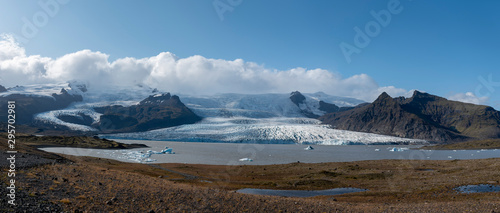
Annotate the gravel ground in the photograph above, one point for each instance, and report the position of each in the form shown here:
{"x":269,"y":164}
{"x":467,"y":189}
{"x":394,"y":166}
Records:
{"x":25,"y":202}
{"x":95,"y":189}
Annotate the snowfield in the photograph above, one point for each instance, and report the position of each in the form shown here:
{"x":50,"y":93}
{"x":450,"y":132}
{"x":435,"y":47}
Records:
{"x":260,"y":105}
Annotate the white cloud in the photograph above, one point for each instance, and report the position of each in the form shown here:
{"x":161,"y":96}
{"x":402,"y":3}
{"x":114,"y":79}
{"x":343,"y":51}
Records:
{"x":10,"y":49}
{"x":167,"y":72}
{"x":469,"y":97}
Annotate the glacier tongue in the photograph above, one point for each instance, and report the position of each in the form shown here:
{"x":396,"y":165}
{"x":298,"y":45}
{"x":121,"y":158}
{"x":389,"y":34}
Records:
{"x":265,"y":130}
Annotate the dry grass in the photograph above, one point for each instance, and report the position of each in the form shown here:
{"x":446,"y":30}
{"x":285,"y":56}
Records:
{"x":388,"y":180}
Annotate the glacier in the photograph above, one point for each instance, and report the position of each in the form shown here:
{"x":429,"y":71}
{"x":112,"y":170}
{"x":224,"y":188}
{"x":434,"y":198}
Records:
{"x":93,"y":97}
{"x":265,"y":130}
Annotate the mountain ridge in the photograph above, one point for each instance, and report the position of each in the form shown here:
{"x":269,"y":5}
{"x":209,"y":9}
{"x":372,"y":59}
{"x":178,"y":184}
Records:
{"x":154,"y":112}
{"x":422,"y":116}
{"x":28,"y":105}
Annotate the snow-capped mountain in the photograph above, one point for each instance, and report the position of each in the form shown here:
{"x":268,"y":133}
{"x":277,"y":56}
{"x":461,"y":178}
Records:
{"x":263,"y":105}
{"x":260,"y":118}
{"x":36,"y":99}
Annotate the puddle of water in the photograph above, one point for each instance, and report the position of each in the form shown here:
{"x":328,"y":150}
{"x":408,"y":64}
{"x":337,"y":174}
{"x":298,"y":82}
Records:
{"x":300,"y":193}
{"x":467,"y":189}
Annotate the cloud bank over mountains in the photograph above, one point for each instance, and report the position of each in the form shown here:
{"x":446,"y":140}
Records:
{"x":469,"y":97}
{"x":167,"y":72}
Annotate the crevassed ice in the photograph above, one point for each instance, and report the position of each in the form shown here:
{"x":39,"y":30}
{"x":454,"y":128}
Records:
{"x":272,"y":130}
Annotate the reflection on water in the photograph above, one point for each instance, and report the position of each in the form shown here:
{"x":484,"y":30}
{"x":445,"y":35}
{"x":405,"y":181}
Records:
{"x":300,"y":193}
{"x":467,"y":189}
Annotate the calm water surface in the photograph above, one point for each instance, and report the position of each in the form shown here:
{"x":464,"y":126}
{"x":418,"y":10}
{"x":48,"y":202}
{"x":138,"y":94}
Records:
{"x":264,"y":154}
{"x":467,"y":189}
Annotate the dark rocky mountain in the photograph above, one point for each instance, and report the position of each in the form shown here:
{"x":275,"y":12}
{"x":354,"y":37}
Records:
{"x":28,"y":105}
{"x":298,"y":99}
{"x":2,"y":89}
{"x":423,"y":116}
{"x":154,"y":112}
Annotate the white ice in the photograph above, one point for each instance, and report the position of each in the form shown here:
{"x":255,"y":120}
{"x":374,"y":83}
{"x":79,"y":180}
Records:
{"x":397,"y":149}
{"x":268,"y":130}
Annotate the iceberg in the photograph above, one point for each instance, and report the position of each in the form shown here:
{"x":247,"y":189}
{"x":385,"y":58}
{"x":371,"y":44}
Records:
{"x":396,"y":149}
{"x":246,"y":159}
{"x":139,"y":156}
{"x":167,"y":151}
{"x":163,"y":151}
{"x":309,"y":148}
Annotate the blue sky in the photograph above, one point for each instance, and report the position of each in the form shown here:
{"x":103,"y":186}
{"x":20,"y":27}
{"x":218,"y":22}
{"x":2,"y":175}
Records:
{"x":442,"y":47}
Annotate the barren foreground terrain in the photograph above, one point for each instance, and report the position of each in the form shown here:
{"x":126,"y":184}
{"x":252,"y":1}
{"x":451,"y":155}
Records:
{"x":73,"y":184}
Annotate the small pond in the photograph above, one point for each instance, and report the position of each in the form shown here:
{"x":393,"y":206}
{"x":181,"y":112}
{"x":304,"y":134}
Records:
{"x":300,"y":193}
{"x":467,"y":189}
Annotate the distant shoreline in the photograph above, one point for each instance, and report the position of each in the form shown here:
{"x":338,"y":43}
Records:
{"x":468,"y":145}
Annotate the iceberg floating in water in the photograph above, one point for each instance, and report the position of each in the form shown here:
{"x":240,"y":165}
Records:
{"x":246,"y":159}
{"x":139,"y":156}
{"x":163,"y":151}
{"x":167,"y":151}
{"x":309,"y":148}
{"x":396,"y":149}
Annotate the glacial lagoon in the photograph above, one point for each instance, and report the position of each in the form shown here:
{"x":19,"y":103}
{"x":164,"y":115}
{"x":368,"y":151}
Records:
{"x":265,"y":154}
